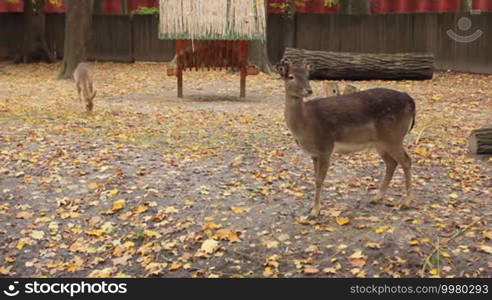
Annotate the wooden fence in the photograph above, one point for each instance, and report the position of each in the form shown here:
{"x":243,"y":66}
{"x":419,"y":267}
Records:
{"x":394,"y":33}
{"x":134,"y":38}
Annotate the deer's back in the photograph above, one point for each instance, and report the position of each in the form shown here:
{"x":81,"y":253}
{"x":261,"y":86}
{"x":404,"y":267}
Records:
{"x":364,"y":117}
{"x":82,"y":72}
{"x":361,"y":107}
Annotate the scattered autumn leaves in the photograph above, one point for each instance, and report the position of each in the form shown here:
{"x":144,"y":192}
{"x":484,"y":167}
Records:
{"x":212,"y":186}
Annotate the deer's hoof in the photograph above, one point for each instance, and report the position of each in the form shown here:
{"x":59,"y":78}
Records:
{"x":314,"y":213}
{"x":408,"y":203}
{"x":376,"y":199}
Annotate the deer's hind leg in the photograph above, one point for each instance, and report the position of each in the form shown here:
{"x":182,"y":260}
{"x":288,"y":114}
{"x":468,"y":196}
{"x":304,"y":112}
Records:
{"x":391,"y":164}
{"x":91,"y":88}
{"x":401,"y":156}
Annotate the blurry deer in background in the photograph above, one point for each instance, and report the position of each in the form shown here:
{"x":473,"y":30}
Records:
{"x":350,"y":89}
{"x":331,"y":89}
{"x":378,"y":118}
{"x":83,"y":80}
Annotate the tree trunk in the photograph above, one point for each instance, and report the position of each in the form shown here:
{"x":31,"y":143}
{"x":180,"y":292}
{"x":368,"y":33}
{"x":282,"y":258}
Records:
{"x":344,"y":7}
{"x":360,"y":7}
{"x":290,"y":25}
{"x":34,"y":46}
{"x":258,"y":56}
{"x":355,"y":7}
{"x":466,"y":5}
{"x":77,"y":33}
{"x":365,"y":66}
{"x":481,"y":141}
{"x":97,"y":7}
{"x":124,"y":7}
{"x":258,"y":51}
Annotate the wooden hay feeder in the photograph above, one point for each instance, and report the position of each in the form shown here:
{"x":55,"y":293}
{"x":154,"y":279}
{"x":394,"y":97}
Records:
{"x":212,"y":34}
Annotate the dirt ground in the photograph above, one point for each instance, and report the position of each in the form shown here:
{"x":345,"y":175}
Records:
{"x":214,"y":186}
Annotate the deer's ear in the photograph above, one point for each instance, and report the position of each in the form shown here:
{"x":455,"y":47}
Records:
{"x":282,"y":70}
{"x":308,"y":66}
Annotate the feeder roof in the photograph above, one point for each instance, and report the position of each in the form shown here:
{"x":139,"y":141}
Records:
{"x":212,"y":19}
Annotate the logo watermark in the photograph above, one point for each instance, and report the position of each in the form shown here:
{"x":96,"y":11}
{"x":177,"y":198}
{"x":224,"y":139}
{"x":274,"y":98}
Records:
{"x":11,"y":290}
{"x":70,"y":289}
{"x":465,"y":24}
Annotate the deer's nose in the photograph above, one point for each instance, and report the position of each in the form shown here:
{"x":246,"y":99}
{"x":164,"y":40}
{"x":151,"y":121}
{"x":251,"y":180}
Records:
{"x":308,"y":91}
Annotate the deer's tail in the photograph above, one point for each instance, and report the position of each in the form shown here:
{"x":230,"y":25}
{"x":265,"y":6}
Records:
{"x":414,"y":115}
{"x":413,"y":120}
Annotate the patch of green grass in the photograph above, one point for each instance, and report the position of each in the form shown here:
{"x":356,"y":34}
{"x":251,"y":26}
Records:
{"x":157,"y":141}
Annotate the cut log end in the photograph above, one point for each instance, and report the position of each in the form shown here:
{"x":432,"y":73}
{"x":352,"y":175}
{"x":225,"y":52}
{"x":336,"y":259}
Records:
{"x":480,"y":142}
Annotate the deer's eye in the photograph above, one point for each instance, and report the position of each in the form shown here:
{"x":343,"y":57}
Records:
{"x":291,"y":77}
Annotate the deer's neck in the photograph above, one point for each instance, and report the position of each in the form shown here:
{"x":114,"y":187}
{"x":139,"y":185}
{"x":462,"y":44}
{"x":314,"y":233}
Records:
{"x":294,"y":114}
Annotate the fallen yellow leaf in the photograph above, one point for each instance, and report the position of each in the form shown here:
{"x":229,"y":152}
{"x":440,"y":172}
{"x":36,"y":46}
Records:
{"x":171,"y":210}
{"x":5,"y":271}
{"x":93,"y":185}
{"x":342,"y":220}
{"x":310,"y":270}
{"x":118,"y":205}
{"x":485,"y":248}
{"x":24,"y":215}
{"x":209,"y":246}
{"x":240,"y":210}
{"x":227,"y":235}
{"x":382,"y":229}
{"x":373,"y":245}
{"x":37,"y":234}
{"x":175,"y":266}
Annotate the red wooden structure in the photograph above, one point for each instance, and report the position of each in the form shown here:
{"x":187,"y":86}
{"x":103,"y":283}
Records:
{"x":276,"y":6}
{"x":408,"y":6}
{"x":212,"y":54}
{"x":482,"y":4}
{"x":107,"y":6}
{"x":310,"y":6}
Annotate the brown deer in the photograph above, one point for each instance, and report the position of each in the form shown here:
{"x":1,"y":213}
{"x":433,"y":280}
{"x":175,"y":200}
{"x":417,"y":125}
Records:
{"x":331,"y":89}
{"x":350,"y":89}
{"x":83,"y":80}
{"x":378,"y":118}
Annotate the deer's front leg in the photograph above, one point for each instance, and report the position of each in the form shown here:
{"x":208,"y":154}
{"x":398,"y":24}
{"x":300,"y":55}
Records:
{"x":315,"y":165}
{"x":89,"y":105}
{"x":79,"y":91}
{"x":321,"y":169}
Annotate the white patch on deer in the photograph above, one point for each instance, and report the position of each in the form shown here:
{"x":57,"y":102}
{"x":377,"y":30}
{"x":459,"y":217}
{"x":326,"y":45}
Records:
{"x":351,"y":147}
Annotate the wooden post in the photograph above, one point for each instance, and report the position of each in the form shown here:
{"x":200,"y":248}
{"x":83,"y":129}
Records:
{"x":243,"y":62}
{"x":180,"y":49}
{"x":243,"y":83}
{"x":179,"y":76}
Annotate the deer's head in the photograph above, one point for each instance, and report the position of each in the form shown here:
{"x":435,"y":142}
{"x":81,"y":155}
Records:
{"x":296,"y":78}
